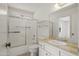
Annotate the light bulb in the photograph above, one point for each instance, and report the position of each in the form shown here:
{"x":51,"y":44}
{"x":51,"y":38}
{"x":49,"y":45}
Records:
{"x":57,"y":6}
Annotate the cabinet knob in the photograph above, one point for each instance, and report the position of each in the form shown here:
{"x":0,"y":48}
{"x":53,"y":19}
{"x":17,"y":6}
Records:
{"x":8,"y":45}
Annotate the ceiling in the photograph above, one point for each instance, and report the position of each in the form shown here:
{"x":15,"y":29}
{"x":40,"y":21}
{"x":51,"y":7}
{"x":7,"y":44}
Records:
{"x":33,"y":7}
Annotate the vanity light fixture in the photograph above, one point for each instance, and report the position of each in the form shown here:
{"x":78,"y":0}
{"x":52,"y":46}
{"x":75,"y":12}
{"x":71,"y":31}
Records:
{"x":57,"y":6}
{"x":3,"y":12}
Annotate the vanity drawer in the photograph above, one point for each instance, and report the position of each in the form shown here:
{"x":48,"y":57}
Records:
{"x":53,"y":50}
{"x":66,"y":53}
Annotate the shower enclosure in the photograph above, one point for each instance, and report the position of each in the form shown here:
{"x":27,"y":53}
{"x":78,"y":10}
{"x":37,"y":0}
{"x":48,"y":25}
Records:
{"x":17,"y":31}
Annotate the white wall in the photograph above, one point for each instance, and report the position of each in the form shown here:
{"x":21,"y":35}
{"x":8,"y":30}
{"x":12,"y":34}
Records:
{"x":3,"y":28}
{"x":43,"y":29}
{"x":43,"y":13}
{"x":78,"y":28}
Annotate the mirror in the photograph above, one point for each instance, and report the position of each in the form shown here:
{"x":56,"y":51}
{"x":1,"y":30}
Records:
{"x":64,"y":27}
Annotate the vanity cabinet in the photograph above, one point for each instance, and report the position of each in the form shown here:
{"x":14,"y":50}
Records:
{"x":41,"y":52}
{"x":46,"y":49}
{"x":54,"y":51}
{"x":41,"y":49}
{"x":44,"y":52}
{"x":66,"y":53}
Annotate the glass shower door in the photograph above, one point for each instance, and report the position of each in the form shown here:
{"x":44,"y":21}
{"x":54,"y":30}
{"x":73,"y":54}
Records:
{"x":16,"y":34}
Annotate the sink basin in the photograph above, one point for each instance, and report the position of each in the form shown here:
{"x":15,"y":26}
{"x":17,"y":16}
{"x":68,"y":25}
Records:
{"x":56,"y":42}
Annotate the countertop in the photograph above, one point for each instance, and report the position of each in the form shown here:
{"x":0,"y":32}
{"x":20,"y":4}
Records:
{"x":70,"y":48}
